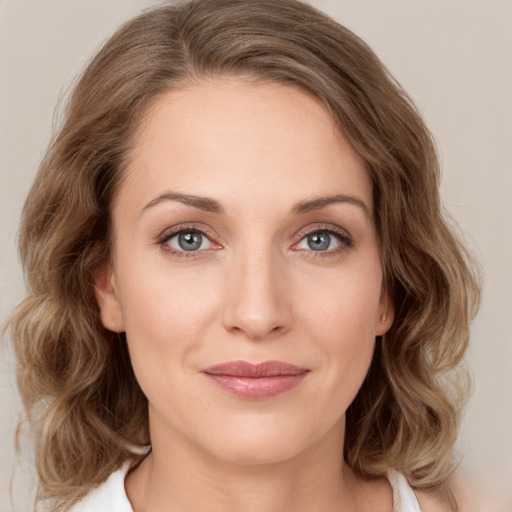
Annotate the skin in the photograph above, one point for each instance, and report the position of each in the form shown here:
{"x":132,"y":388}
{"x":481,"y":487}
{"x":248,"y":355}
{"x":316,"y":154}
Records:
{"x":255,"y":290}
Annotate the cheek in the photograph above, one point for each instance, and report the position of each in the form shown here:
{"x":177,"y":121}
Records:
{"x":344,"y":304}
{"x":156,"y":296}
{"x":165,"y":317}
{"x":340,"y":316}
{"x":165,"y":312}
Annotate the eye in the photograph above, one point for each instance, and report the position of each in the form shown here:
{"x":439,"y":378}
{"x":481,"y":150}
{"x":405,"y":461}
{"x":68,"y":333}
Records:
{"x":319,"y":241}
{"x":189,"y":240}
{"x":324,"y":240}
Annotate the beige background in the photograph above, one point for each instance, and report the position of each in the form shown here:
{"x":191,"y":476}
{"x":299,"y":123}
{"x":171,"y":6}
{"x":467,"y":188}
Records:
{"x":454,"y":58}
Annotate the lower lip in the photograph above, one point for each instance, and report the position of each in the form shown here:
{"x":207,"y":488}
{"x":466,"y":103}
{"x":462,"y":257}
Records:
{"x":257,"y":387}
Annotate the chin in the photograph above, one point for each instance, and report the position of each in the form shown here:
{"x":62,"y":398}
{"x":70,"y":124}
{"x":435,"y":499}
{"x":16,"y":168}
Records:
{"x":262,"y":441}
{"x":254,"y":454}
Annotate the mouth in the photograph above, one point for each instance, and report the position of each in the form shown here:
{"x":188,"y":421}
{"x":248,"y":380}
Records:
{"x":257,"y":381}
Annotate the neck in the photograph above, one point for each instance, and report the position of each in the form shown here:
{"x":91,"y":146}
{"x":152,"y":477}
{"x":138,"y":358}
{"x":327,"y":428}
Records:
{"x":183,"y":478}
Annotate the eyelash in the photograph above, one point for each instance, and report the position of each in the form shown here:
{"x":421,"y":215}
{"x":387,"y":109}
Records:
{"x":346,"y":241}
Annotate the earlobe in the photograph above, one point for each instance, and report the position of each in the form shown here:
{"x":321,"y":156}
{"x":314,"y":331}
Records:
{"x":107,"y":298}
{"x":386,"y":315}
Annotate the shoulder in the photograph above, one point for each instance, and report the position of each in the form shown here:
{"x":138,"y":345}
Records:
{"x":110,"y":495}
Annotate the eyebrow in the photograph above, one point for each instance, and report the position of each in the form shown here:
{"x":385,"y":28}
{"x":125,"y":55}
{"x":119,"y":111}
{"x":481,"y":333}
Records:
{"x":210,"y":205}
{"x":317,"y":204}
{"x":203,"y":203}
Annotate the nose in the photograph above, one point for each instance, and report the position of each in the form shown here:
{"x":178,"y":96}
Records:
{"x":257,"y":301}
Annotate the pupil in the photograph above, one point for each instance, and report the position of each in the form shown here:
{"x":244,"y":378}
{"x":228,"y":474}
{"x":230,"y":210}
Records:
{"x":319,"y":241}
{"x":189,"y":241}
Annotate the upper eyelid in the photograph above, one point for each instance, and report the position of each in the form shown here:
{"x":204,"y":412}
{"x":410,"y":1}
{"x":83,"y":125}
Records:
{"x":340,"y":238}
{"x":324,"y":227}
{"x":174,"y":230}
{"x":193,"y":226}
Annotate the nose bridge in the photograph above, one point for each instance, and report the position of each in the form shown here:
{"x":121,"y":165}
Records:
{"x":256,"y":302}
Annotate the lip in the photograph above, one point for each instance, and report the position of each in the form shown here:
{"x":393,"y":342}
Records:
{"x":263,"y":380}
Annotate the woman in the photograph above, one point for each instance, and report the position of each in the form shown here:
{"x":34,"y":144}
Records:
{"x":242,"y":292}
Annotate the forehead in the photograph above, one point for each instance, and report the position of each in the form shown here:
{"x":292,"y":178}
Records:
{"x":226,"y":137}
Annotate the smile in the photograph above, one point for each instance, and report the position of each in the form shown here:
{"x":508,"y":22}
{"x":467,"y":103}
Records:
{"x":264,"y":380}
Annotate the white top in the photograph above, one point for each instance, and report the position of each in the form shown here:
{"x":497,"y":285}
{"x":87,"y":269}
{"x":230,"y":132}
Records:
{"x":111,"y":495}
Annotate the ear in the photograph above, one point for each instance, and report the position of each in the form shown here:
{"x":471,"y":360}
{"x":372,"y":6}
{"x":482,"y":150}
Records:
{"x":107,"y":297}
{"x":385,"y":315}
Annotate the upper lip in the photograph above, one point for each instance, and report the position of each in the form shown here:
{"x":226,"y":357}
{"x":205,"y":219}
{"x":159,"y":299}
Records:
{"x":246,"y":369}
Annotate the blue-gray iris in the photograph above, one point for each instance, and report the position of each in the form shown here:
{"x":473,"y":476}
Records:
{"x":190,"y":241}
{"x":319,"y":241}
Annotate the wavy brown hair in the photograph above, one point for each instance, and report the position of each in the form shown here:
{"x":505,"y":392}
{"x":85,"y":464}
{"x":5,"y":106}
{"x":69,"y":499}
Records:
{"x":75,"y":377}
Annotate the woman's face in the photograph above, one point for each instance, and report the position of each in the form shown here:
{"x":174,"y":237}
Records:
{"x":244,"y":235}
